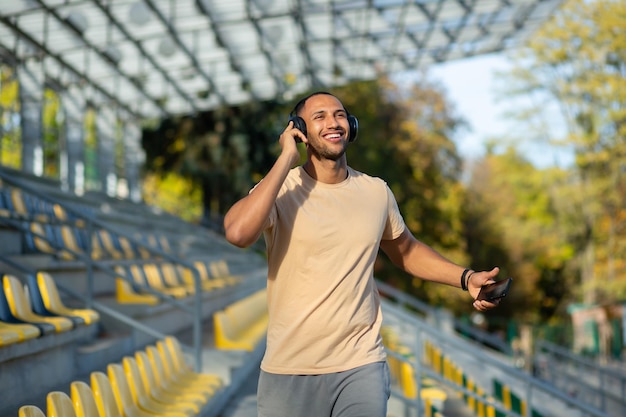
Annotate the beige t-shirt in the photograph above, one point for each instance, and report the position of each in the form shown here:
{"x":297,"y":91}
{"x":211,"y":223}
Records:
{"x":322,"y":241}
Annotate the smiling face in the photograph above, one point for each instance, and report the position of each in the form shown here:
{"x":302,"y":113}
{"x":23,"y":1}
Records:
{"x":327,"y":126}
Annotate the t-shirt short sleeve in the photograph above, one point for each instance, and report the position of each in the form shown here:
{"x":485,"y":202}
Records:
{"x":271,"y":219}
{"x":394,"y":225}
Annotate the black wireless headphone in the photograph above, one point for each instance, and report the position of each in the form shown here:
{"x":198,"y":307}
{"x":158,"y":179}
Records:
{"x":300,"y":124}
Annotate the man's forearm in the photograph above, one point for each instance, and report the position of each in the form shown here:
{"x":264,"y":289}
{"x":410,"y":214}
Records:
{"x":245,"y":220}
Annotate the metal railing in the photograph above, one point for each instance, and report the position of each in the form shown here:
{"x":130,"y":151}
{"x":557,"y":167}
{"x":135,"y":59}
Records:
{"x":463,"y":351}
{"x":603,"y":386}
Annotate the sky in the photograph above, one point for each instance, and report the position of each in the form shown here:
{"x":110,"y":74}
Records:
{"x":470,"y":85}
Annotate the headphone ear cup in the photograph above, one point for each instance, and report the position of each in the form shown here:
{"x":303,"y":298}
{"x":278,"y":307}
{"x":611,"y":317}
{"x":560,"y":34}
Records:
{"x":298,"y":123}
{"x":354,"y":128}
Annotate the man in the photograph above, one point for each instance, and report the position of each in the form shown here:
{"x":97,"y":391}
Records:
{"x":323,"y":224}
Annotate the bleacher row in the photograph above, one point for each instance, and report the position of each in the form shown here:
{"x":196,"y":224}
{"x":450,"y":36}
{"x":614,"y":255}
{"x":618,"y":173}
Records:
{"x":155,"y":381}
{"x":403,"y":375}
{"x":36,"y":309}
{"x":141,"y":266}
{"x":481,"y":403}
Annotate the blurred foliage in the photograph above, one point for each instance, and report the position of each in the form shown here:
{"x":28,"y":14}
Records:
{"x":223,"y":152}
{"x":578,"y":62}
{"x":10,"y":132}
{"x":513,"y":222}
{"x":174,"y":194}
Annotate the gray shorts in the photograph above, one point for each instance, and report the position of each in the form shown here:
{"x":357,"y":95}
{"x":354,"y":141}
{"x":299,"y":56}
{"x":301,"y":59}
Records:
{"x":358,"y":392}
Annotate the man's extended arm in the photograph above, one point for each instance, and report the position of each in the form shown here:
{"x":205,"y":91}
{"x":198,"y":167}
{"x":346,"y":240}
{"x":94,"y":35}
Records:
{"x":420,"y":260}
{"x":245,"y":220}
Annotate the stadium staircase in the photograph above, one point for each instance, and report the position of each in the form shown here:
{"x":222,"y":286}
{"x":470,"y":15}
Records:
{"x":110,"y":308}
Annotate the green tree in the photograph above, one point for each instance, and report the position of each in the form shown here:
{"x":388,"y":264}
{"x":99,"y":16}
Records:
{"x":578,"y":61}
{"x":513,"y":220}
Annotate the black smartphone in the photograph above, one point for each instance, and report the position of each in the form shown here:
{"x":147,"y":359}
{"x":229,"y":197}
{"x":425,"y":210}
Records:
{"x":491,"y":292}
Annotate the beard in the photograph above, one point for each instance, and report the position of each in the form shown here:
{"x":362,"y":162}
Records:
{"x":323,"y":151}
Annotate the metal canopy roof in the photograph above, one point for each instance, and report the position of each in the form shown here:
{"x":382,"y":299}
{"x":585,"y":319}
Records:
{"x":154,"y":58}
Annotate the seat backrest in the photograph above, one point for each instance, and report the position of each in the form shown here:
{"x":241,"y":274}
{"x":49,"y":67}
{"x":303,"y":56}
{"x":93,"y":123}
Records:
{"x":16,"y":297}
{"x":156,"y":362}
{"x":153,"y":275}
{"x":176,"y":354}
{"x":120,"y":387}
{"x":36,"y":299}
{"x":138,"y":389}
{"x":6,"y":314}
{"x":146,"y":370}
{"x":69,"y":239}
{"x":39,"y":243}
{"x":49,"y":292}
{"x":137,"y":275}
{"x":103,"y":395}
{"x":168,"y":364}
{"x":127,"y":247}
{"x":58,"y":404}
{"x":83,"y":399}
{"x":170,"y":275}
{"x":30,"y":411}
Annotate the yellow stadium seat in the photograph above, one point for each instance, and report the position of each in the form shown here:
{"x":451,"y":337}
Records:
{"x":156,"y":282}
{"x":126,"y":294}
{"x":30,"y":411}
{"x":8,"y":336}
{"x":83,"y":400}
{"x":24,"y":331}
{"x":200,"y":388}
{"x":103,"y":395}
{"x":171,"y":279}
{"x":142,"y":397}
{"x":206,"y":282}
{"x":242,"y":324}
{"x":158,"y":389}
{"x":20,"y":306}
{"x":52,"y":300}
{"x":120,"y":387}
{"x":177,"y":369}
{"x":219,"y":269}
{"x":58,"y":404}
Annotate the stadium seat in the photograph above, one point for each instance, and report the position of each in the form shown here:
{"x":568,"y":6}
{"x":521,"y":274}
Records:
{"x":45,"y":291}
{"x":8,"y":336}
{"x":30,"y":411}
{"x":35,"y":238}
{"x":175,"y":366}
{"x":156,"y":282}
{"x":122,"y":393}
{"x":127,"y":293}
{"x":6,"y":316}
{"x":158,"y":389}
{"x":127,"y":247}
{"x":21,"y":309}
{"x":58,"y":404}
{"x":242,"y":324}
{"x":104,"y":397}
{"x":143,"y":398}
{"x":23,"y":330}
{"x":171,"y":278}
{"x":208,"y":282}
{"x":199,"y":387}
{"x":108,"y":243}
{"x":219,"y":269}
{"x":83,"y":400}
